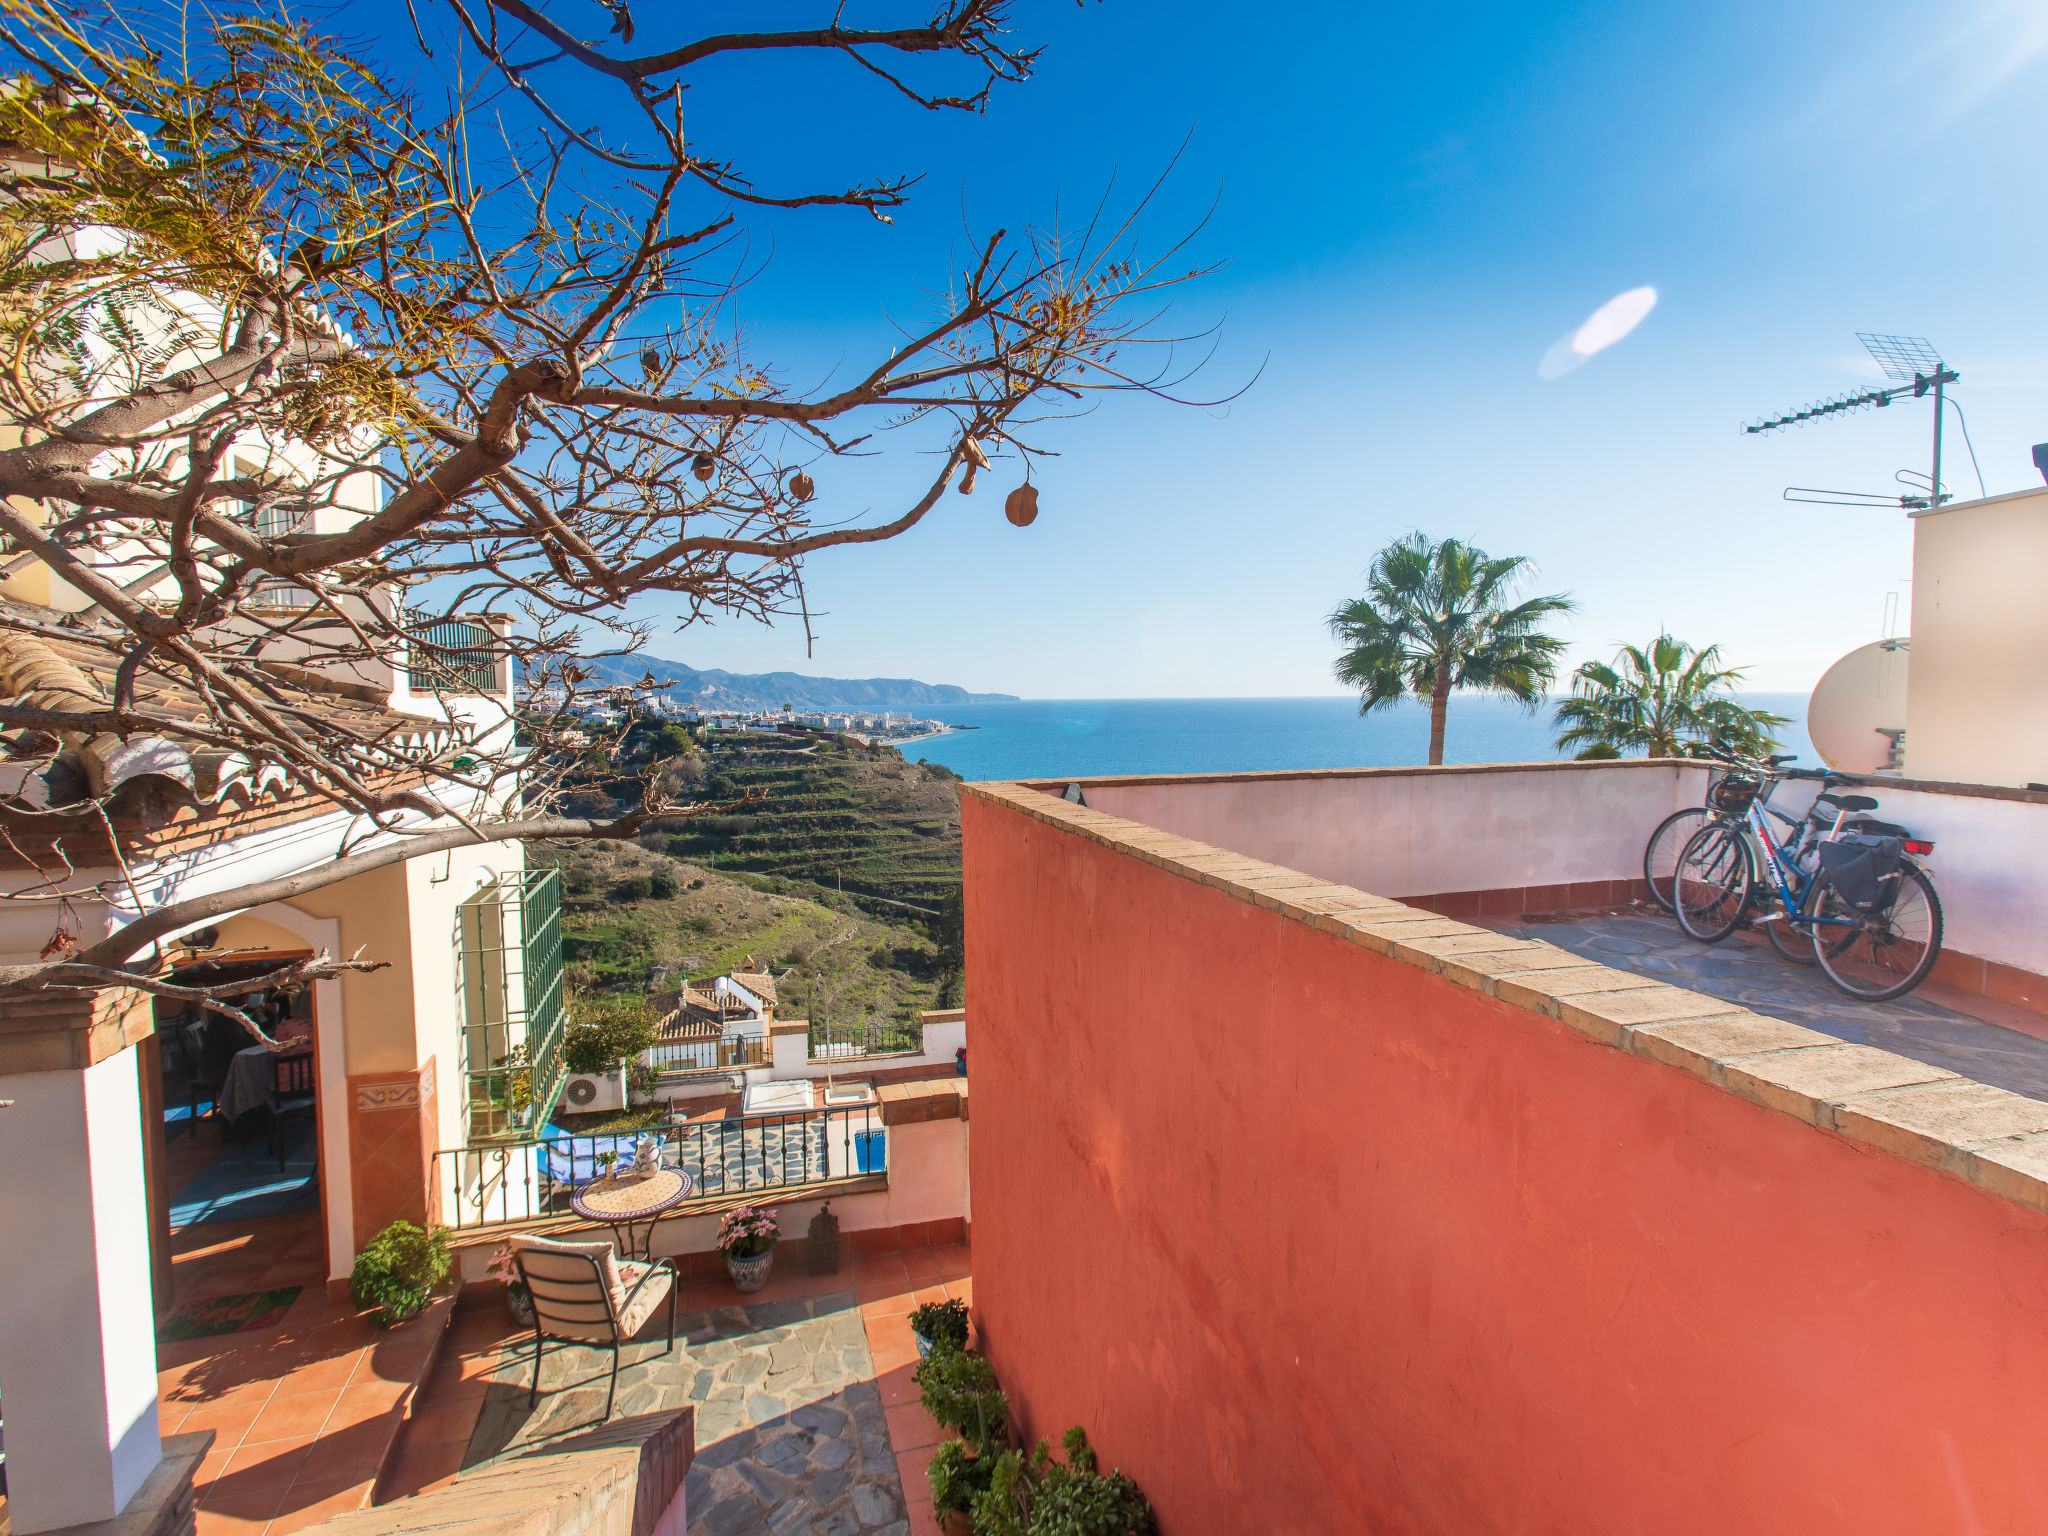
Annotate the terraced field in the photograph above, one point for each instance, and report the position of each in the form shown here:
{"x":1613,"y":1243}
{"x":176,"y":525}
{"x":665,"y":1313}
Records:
{"x":842,"y":817}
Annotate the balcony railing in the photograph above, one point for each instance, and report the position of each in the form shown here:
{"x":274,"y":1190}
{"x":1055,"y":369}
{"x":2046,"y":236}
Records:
{"x":711,"y":1055}
{"x":530,"y":1179}
{"x":889,"y":1038}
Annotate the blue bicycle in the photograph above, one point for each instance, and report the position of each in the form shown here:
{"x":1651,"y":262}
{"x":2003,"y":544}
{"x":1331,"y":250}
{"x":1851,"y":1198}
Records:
{"x":1849,"y":890}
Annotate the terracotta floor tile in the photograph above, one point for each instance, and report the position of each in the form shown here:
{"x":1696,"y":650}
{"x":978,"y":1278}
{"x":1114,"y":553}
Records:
{"x":910,"y":1467}
{"x":954,"y":1261}
{"x":420,"y":1467}
{"x":911,"y":1428}
{"x":922,"y":1521}
{"x":229,"y":1422}
{"x":353,"y":1453}
{"x":444,"y":1423}
{"x":261,"y":1466}
{"x":894,"y":1382}
{"x":249,"y":1511}
{"x":961,"y":1289}
{"x":308,"y":1503}
{"x":934,"y":1293}
{"x":291,"y":1418}
{"x":891,"y":1303}
{"x":329,"y":1375}
{"x":368,"y":1400}
{"x":211,"y":1465}
{"x":889,"y":1330}
{"x":920,"y":1265}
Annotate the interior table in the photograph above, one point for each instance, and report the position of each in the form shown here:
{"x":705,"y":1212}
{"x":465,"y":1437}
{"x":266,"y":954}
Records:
{"x":624,"y":1200}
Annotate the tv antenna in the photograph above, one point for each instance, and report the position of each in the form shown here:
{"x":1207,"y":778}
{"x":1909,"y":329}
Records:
{"x":1917,"y":369}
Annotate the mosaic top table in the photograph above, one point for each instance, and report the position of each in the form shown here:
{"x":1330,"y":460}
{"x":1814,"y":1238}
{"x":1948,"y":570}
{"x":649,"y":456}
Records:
{"x":625,"y":1199}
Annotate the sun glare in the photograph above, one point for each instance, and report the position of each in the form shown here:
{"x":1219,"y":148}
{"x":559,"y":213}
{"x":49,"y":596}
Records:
{"x":1603,"y":328}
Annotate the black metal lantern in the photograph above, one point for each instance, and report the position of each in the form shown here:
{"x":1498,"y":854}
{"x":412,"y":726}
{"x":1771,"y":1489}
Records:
{"x":825,"y":1241}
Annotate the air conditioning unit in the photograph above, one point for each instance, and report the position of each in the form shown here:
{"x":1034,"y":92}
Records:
{"x":589,"y":1092}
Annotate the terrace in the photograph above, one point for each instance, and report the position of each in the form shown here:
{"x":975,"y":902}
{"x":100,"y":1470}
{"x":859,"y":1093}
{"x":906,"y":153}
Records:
{"x":1346,"y":1155}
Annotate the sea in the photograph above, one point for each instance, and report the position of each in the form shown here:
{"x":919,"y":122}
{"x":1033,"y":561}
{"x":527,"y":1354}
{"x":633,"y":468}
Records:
{"x":1084,"y":738}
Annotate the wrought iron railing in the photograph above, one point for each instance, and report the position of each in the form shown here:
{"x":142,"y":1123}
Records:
{"x":848,"y":1043}
{"x":529,"y":1179}
{"x":710,"y":1055}
{"x":453,"y":656}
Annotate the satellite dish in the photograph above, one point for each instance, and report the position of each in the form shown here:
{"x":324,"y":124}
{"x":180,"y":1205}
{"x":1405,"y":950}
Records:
{"x":1858,"y":708}
{"x":581,"y":1090}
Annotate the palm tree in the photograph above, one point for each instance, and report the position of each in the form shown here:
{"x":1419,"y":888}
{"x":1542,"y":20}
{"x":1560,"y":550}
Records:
{"x":1437,"y":617}
{"x":1658,"y":699}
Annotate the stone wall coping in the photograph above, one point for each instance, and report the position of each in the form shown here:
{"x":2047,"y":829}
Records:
{"x":1269,"y":775}
{"x":613,"y":1480}
{"x":1987,"y":1136}
{"x":931,"y":1098}
{"x":1403,"y":771}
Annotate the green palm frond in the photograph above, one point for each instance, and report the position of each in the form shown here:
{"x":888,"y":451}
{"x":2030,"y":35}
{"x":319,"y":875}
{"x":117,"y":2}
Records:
{"x":1441,"y":614}
{"x":1659,"y":700}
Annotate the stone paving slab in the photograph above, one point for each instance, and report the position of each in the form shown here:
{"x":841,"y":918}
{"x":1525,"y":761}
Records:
{"x":1757,"y":978}
{"x":790,"y":1431}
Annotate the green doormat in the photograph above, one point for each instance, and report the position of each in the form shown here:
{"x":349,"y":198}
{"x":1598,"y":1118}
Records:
{"x":227,"y":1314}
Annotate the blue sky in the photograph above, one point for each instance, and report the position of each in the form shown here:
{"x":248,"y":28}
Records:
{"x":1413,"y":204}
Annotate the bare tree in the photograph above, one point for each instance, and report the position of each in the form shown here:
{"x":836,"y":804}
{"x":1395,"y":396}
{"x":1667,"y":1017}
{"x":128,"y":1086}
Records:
{"x":306,"y":364}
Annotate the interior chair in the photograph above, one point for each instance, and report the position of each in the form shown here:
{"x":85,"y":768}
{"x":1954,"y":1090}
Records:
{"x":185,"y":1075}
{"x":291,"y":1093}
{"x":583,"y":1294}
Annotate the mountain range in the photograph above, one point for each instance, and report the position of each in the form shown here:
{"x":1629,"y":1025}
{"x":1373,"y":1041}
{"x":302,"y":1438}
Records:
{"x":717,"y":689}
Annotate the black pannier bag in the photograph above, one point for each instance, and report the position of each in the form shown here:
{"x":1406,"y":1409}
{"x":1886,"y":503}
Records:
{"x":1864,"y":869}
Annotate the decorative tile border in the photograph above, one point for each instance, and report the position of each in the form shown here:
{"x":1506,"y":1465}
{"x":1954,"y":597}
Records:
{"x":400,"y":1093}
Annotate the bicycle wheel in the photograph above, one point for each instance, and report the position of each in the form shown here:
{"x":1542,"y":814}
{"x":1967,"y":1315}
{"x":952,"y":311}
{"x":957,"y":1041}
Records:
{"x":1710,"y":887}
{"x":1660,"y":854}
{"x":1885,"y":954}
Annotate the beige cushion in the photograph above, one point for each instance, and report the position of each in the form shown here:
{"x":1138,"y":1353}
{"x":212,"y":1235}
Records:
{"x":650,"y":1296}
{"x":568,"y":1294}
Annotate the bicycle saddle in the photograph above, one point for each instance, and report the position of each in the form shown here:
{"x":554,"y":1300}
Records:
{"x":1847,"y":802}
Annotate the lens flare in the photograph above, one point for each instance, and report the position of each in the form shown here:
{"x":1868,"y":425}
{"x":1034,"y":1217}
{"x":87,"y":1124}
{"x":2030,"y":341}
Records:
{"x":1603,"y":328}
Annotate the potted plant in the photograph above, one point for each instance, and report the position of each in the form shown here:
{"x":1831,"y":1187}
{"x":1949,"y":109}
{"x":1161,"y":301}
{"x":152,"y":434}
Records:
{"x":506,"y":1273}
{"x":939,"y":1325}
{"x":398,"y":1271}
{"x":604,"y":1161}
{"x":746,"y":1237}
{"x":960,"y":1060}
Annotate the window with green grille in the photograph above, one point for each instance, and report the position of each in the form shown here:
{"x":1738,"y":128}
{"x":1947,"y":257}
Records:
{"x":509,"y":949}
{"x":452,"y":656}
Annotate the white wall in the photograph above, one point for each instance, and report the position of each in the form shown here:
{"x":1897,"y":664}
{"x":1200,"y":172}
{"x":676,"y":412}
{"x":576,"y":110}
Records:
{"x":1978,"y":709}
{"x":1421,"y":831}
{"x":1990,"y":868}
{"x":77,"y":1328}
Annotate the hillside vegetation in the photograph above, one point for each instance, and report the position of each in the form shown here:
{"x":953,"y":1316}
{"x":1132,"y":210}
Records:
{"x":840,"y":816}
{"x":636,"y":920}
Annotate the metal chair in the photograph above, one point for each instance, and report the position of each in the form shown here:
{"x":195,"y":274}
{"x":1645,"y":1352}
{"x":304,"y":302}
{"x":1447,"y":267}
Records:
{"x":583,"y":1294}
{"x":291,"y":1093}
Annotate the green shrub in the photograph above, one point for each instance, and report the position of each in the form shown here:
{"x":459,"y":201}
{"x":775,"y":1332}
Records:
{"x":398,"y":1271}
{"x":959,"y":1391}
{"x":605,"y":1031}
{"x":662,"y":883}
{"x":943,"y":1323}
{"x":959,"y":1476}
{"x":634,"y":888}
{"x":1042,"y":1497}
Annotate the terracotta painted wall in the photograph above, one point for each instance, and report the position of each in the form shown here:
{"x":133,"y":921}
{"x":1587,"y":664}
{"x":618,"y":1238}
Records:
{"x":1313,"y":1241}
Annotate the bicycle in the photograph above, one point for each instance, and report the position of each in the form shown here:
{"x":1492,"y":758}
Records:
{"x":1875,"y":930}
{"x":1660,"y":853}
